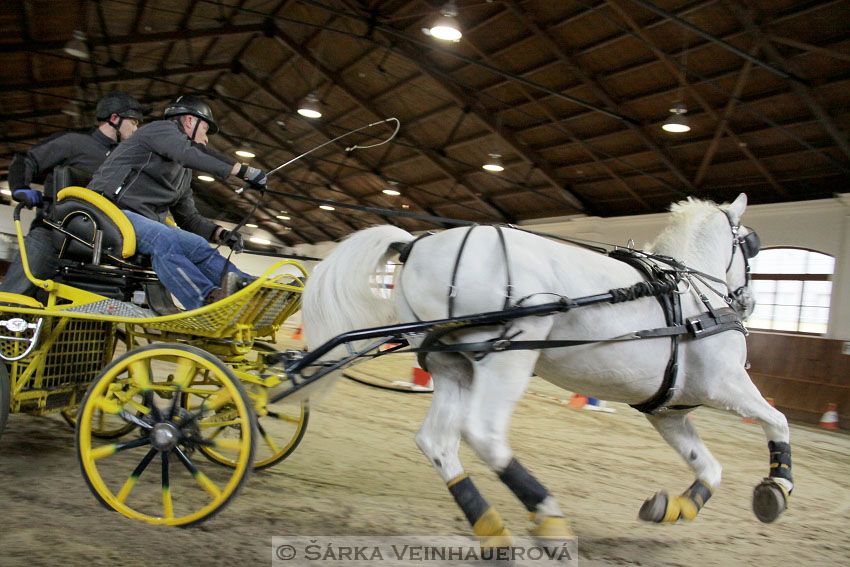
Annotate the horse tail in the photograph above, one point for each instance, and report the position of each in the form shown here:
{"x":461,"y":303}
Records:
{"x":339,"y":296}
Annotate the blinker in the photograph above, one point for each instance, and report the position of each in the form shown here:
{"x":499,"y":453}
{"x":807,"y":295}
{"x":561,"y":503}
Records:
{"x":750,"y":245}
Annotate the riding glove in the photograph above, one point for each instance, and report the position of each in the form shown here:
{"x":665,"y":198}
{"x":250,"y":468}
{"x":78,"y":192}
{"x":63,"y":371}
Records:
{"x":232,"y":239}
{"x":29,"y":197}
{"x":255,"y":177}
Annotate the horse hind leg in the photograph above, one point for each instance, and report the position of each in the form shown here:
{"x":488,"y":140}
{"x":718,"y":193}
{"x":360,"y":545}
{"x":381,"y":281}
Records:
{"x":681,"y":434}
{"x":500,"y":382}
{"x":439,"y":439}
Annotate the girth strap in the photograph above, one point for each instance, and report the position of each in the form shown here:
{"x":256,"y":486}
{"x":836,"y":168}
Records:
{"x":672,"y":308}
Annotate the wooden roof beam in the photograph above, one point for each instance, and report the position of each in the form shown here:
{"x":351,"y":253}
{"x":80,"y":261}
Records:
{"x":339,"y":83}
{"x":314,"y":126}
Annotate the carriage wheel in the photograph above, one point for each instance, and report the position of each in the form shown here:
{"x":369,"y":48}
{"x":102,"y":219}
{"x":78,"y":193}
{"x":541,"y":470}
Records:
{"x":281,"y":426}
{"x":145,"y":387}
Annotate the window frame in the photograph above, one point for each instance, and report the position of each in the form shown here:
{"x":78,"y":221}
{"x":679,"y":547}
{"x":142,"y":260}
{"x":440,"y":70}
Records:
{"x":799,"y":277}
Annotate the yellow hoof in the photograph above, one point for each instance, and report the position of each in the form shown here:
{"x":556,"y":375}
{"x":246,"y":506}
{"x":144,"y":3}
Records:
{"x":491,"y":531}
{"x":552,"y":527}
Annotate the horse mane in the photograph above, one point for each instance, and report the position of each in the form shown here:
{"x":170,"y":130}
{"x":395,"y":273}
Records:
{"x":686,"y":220}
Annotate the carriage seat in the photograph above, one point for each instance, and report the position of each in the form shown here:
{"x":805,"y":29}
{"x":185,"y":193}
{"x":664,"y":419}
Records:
{"x":98,"y":230}
{"x":97,"y":244}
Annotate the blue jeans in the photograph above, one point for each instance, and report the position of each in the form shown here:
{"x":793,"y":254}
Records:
{"x":185,"y":263}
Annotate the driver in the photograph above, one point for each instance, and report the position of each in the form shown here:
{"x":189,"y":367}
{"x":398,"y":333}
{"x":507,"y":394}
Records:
{"x":150,"y":175}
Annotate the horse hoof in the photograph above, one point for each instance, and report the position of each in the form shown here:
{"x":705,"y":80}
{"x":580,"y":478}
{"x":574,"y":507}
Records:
{"x":552,"y":528}
{"x":768,"y":501}
{"x":654,"y":509}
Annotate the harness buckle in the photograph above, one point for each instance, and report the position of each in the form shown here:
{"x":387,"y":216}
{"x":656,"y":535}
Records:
{"x":501,"y":344}
{"x":452,"y":291}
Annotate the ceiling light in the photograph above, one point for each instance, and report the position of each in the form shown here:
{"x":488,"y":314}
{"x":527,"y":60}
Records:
{"x":391,"y":190}
{"x":446,"y":26}
{"x":245,"y":153}
{"x":326,"y":207}
{"x":282,"y":217}
{"x":258,"y":240}
{"x":76,"y":47}
{"x":677,"y":122}
{"x":495,"y":162}
{"x":309,"y":108}
{"x":206,"y":178}
{"x":251,"y":225}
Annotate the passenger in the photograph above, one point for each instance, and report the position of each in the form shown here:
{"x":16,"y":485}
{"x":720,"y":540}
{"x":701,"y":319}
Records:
{"x":118,"y":114}
{"x":150,"y":175}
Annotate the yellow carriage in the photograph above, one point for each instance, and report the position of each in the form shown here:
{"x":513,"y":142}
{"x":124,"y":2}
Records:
{"x":184,"y":394}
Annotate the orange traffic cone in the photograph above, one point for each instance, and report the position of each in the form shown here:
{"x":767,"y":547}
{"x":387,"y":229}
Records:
{"x":578,"y":401}
{"x":297,"y":334}
{"x":421,"y":378}
{"x":768,"y":400}
{"x":829,"y":420}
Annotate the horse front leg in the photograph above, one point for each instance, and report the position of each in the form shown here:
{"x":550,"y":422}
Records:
{"x":439,"y":439}
{"x":680,"y":433}
{"x":770,"y":497}
{"x":500,"y":382}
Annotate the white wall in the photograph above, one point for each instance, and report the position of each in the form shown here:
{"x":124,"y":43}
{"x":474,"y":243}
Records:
{"x":822,"y":225}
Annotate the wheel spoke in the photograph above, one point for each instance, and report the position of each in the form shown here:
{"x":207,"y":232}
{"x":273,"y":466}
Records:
{"x":202,"y":479}
{"x":113,"y":448}
{"x":167,"y":505}
{"x":131,"y":481}
{"x":184,"y":373}
{"x":148,"y":397}
{"x":227,"y":444}
{"x":133,"y":419}
{"x":268,"y":439}
{"x":140,"y":371}
{"x":284,"y":417}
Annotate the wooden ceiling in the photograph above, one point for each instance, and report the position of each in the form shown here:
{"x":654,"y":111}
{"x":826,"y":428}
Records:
{"x":571,"y":93}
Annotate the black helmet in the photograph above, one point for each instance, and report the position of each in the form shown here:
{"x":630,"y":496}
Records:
{"x":194,"y":106}
{"x":118,"y":103}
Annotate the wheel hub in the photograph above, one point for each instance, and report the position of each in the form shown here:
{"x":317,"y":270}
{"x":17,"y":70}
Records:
{"x":164,"y":436}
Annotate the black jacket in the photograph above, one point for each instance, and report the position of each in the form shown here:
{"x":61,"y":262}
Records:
{"x":150,"y":174}
{"x":83,"y":151}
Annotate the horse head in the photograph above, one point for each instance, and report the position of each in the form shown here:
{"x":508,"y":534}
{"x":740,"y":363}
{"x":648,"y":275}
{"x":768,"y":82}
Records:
{"x":745,"y":245}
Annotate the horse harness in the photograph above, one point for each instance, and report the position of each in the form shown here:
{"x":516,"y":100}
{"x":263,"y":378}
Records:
{"x":659,"y":282}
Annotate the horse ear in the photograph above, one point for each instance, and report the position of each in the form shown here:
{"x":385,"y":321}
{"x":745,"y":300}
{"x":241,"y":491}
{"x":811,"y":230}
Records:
{"x":738,"y":206}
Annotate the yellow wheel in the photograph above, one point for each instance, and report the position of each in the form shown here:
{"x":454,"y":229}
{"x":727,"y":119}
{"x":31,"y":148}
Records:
{"x":146,"y":387}
{"x":281,"y":426}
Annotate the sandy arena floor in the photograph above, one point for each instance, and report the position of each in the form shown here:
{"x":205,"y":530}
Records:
{"x":358,"y":472}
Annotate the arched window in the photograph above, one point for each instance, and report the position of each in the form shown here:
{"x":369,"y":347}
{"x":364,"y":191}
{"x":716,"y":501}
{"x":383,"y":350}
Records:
{"x":792,"y":289}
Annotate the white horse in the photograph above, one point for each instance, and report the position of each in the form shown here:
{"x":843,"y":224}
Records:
{"x":474,"y":396}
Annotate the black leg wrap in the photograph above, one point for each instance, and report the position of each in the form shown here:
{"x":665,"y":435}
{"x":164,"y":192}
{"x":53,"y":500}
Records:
{"x":522,"y":483}
{"x":469,"y":499}
{"x":780,"y":460}
{"x":699,"y":493}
